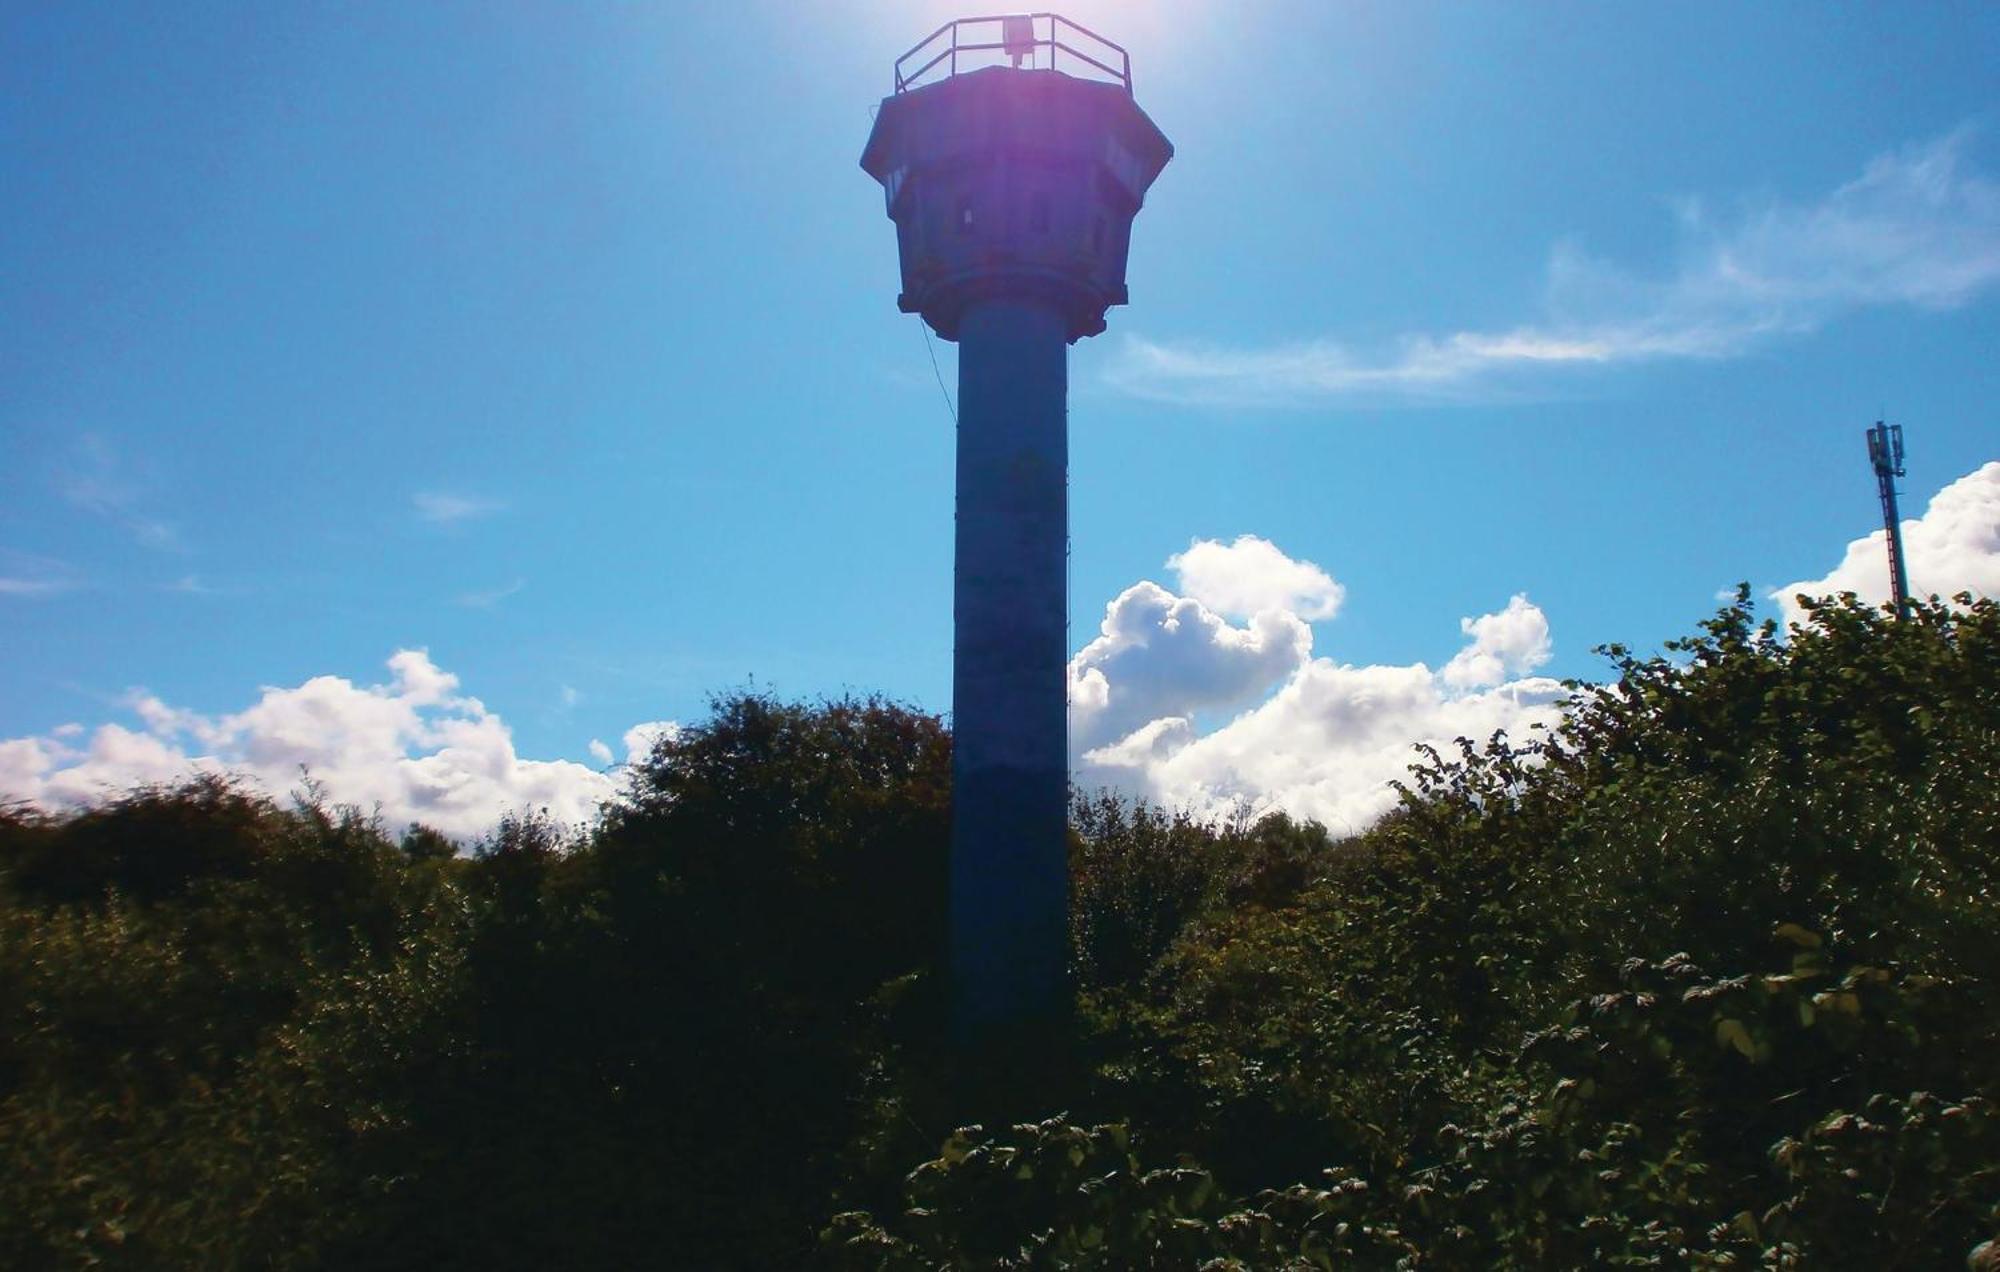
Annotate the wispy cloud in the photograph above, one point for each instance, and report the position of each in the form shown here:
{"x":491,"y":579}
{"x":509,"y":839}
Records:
{"x":26,"y":575}
{"x":446,"y":508}
{"x":193,"y":585}
{"x":99,"y":480}
{"x":488,"y":599}
{"x":1920,"y":227}
{"x":10,"y":586}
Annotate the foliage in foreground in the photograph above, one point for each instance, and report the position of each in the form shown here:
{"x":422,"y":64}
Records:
{"x":1710,"y":976}
{"x":1707,"y":977}
{"x":239,"y":1035}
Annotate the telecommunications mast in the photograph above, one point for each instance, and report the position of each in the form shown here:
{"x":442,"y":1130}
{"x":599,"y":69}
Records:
{"x":1885,"y":454}
{"x":1012,"y":158}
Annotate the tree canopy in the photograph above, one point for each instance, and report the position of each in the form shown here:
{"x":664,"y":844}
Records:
{"x":1706,"y":975}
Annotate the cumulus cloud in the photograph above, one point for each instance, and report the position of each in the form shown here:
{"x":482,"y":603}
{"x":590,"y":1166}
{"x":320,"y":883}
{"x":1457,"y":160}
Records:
{"x":415,"y":747}
{"x":1158,"y":655}
{"x":1312,"y":737}
{"x":1513,"y":641}
{"x":23,"y":763}
{"x":640,"y":739}
{"x":1250,"y":575}
{"x":1919,"y":227}
{"x":600,"y":752}
{"x":1326,"y":746}
{"x":1954,"y":547}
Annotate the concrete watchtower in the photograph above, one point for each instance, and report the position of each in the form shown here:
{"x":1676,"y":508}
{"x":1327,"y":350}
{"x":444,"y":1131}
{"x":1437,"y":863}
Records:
{"x":1013,"y":189}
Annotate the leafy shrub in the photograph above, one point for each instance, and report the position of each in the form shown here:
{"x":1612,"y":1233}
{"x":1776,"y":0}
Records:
{"x":197,"y":1073}
{"x":1704,"y":977}
{"x":1494,"y":1007}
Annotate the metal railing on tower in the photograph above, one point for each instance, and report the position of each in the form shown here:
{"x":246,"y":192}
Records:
{"x":1035,"y":41}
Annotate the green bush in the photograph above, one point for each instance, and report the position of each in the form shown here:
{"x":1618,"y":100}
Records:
{"x":1494,"y":1007}
{"x":1706,"y":976}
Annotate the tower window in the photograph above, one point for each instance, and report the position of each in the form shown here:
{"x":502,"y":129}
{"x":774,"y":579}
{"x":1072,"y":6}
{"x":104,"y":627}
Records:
{"x":965,"y":216}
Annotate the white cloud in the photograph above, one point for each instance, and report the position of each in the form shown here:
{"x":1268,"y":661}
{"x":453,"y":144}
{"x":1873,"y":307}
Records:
{"x":24,"y":574}
{"x":23,"y":764}
{"x":10,"y":586}
{"x":420,"y":680}
{"x":447,"y":508}
{"x":1508,"y":643}
{"x":1419,"y":368}
{"x":1146,"y":746}
{"x":600,"y":752}
{"x":191,"y":585}
{"x":492,"y":596}
{"x":1250,"y":575}
{"x":114,"y":758}
{"x":414,"y":747}
{"x":1326,"y":746}
{"x":1954,"y":547}
{"x":640,"y":739}
{"x":101,"y":481}
{"x":1315,"y":738}
{"x":1160,"y":655}
{"x":1920,"y":227}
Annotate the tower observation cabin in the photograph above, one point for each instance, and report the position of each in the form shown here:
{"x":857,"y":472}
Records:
{"x":1012,"y":158}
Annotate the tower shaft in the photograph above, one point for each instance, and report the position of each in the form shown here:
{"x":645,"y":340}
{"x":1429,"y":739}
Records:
{"x":1010,"y":780}
{"x":1013,"y":190}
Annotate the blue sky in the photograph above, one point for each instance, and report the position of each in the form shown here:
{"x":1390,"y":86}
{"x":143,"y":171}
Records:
{"x":560,"y":342}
